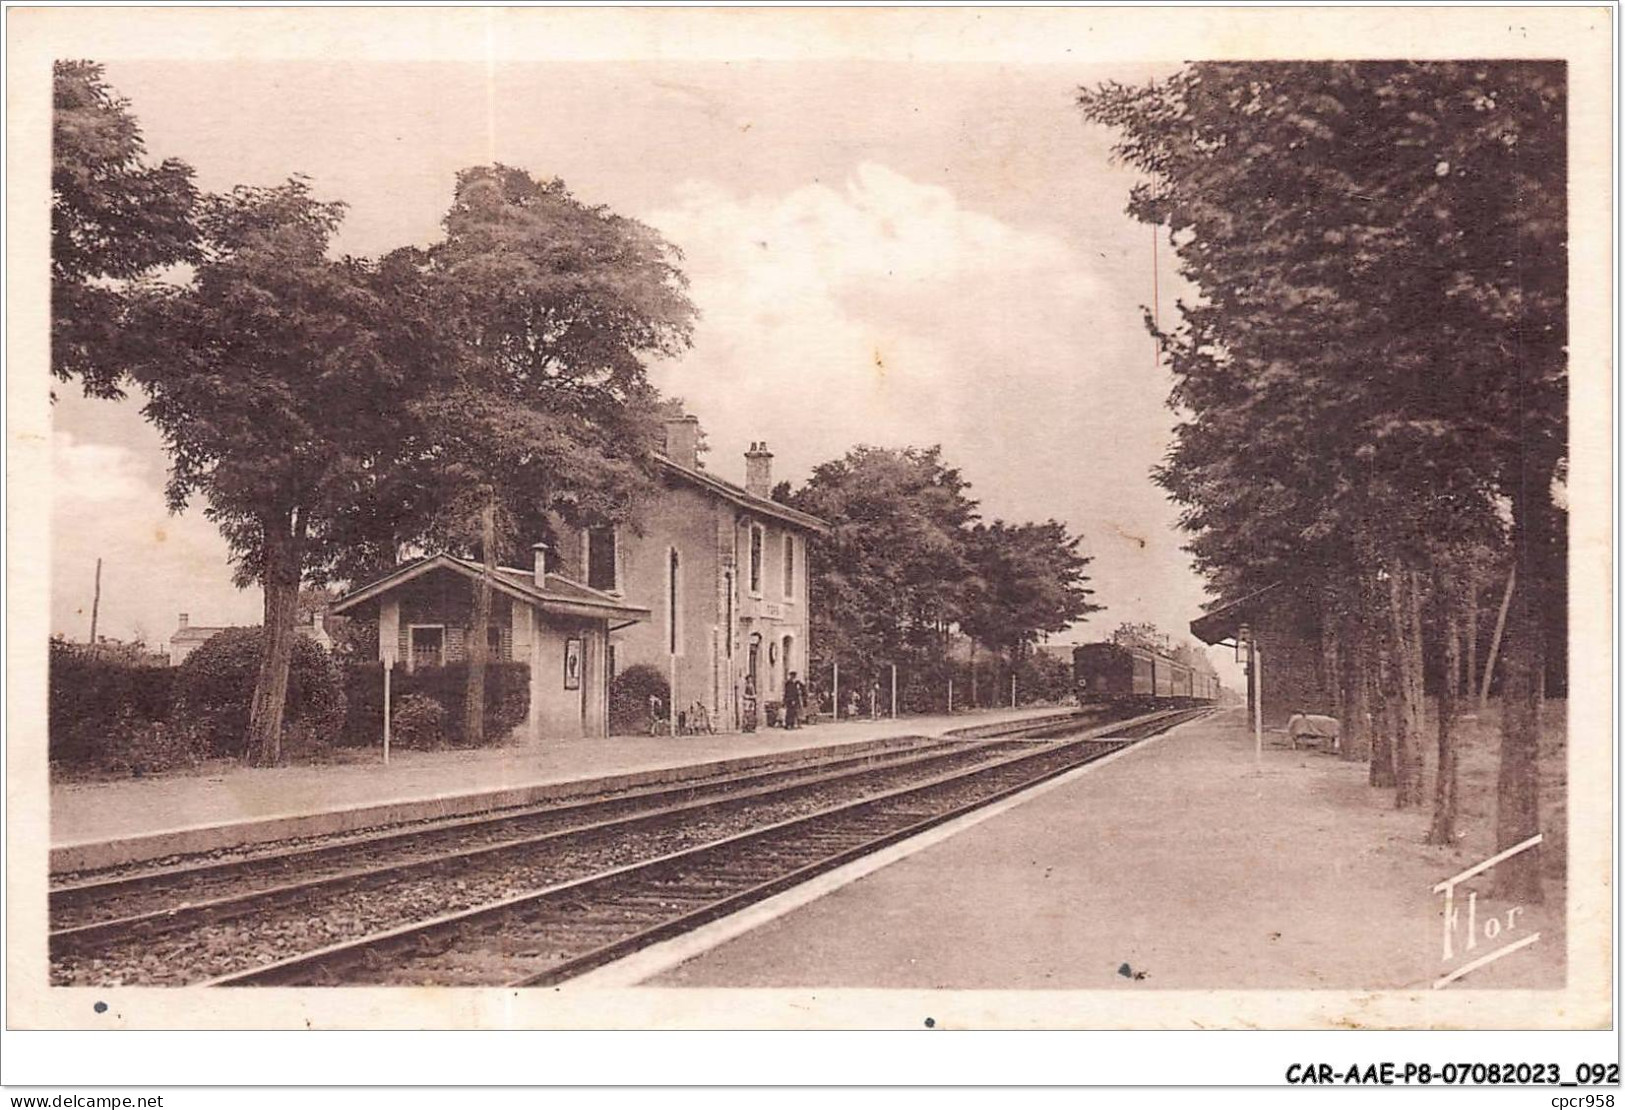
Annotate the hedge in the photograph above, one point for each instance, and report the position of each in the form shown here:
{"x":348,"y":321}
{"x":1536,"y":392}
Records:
{"x":507,"y":698}
{"x":629,"y":694}
{"x":215,"y":688}
{"x":95,"y":698}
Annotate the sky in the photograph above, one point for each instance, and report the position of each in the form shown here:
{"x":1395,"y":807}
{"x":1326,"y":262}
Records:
{"x":886,"y":254}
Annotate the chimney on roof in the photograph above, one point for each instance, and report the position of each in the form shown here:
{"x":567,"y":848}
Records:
{"x":759,"y":470}
{"x":540,"y":573}
{"x":184,"y":619}
{"x":683,"y":441}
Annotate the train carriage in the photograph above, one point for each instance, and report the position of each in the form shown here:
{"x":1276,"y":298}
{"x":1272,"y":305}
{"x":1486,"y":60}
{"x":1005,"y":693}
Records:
{"x":1112,"y":673}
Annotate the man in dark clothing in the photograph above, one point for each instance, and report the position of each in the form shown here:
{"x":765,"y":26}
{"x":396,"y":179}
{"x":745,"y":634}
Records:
{"x":794,"y":693}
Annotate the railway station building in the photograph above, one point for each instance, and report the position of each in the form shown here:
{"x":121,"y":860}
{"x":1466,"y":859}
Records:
{"x":723,"y":569}
{"x":709,"y":588}
{"x":1285,"y":622}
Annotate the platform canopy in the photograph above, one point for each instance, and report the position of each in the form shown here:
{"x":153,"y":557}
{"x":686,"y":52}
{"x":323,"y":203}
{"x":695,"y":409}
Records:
{"x":1224,"y":623}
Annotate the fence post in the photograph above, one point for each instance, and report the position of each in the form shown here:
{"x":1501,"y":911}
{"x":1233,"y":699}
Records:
{"x":835,"y":691}
{"x":950,"y":697}
{"x":894,"y":691}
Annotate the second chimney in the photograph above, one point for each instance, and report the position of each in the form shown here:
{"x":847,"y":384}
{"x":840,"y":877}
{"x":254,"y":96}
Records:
{"x":539,"y":550}
{"x":759,"y":470}
{"x":683,"y":441}
{"x":184,"y":619}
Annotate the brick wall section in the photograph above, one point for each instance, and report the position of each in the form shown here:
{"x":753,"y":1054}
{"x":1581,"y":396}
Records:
{"x":447,"y":599}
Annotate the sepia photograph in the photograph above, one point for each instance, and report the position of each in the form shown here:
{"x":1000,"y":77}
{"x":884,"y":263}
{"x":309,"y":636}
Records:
{"x":841,"y":519}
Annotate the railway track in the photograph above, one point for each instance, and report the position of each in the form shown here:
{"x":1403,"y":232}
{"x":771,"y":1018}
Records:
{"x":177,"y":924}
{"x":552,"y":934}
{"x":222,"y":918}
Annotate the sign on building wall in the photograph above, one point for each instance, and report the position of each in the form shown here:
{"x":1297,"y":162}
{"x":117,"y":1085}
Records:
{"x":572,"y":663}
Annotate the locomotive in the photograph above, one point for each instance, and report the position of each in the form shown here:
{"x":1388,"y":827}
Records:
{"x":1107,"y":673}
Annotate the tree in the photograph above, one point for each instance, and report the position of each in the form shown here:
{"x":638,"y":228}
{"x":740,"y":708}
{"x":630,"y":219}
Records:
{"x":275,"y":379}
{"x":548,"y":309}
{"x":113,"y":219}
{"x":1141,"y":635}
{"x":894,"y":571}
{"x":1378,"y":358}
{"x":1030,"y":581}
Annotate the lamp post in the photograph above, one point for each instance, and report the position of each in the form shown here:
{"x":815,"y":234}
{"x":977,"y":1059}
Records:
{"x":1255,"y":672}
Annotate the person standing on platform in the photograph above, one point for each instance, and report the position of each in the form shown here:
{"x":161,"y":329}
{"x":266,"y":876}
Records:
{"x":794,"y":694}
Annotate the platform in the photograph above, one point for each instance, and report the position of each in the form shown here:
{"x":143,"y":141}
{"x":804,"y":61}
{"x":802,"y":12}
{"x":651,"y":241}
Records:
{"x":1178,"y":865}
{"x":102,"y":824}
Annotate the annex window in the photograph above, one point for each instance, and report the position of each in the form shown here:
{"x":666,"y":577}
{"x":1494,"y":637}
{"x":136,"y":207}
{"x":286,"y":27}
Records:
{"x":428,"y":643}
{"x":601,"y":559}
{"x":789,"y":567}
{"x":757,"y":542}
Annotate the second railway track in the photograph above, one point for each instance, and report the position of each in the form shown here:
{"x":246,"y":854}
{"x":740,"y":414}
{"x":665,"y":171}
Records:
{"x":345,"y":903}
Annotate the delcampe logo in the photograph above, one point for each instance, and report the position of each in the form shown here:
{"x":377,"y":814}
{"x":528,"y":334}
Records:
{"x":1462,"y":938}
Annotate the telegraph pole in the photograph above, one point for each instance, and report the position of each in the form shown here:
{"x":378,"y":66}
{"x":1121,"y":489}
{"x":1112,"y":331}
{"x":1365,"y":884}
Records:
{"x":96,"y":603}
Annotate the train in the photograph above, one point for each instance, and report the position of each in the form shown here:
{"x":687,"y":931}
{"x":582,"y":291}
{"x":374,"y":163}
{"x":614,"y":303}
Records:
{"x":1107,"y":673}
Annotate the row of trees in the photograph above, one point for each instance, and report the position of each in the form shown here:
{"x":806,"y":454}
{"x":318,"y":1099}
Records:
{"x":909,"y":562}
{"x":331,"y":410}
{"x":1373,"y":373}
{"x":469,"y":396}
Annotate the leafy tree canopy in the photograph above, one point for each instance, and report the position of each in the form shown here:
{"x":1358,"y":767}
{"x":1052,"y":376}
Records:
{"x":1030,"y":581}
{"x":114,"y":218}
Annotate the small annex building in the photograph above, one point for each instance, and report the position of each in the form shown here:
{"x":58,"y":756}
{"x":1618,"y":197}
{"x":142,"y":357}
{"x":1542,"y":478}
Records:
{"x":559,"y":627}
{"x":1285,"y":622}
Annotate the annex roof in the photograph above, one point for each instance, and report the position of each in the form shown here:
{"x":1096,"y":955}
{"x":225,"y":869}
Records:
{"x":561,"y":595}
{"x":743,"y":497}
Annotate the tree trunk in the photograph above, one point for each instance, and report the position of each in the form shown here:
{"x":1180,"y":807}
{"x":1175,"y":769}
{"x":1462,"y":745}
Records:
{"x":1353,"y":679}
{"x":1331,"y":647}
{"x":1500,"y":632}
{"x":1405,"y":611}
{"x":1443,"y":830}
{"x":1517,"y":797}
{"x":474,"y":692}
{"x":1382,"y":690}
{"x":1469,"y":634}
{"x":974,"y":704}
{"x":280,"y":577}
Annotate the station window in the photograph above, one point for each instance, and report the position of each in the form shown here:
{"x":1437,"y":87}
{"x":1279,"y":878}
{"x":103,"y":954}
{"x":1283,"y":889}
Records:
{"x":601,"y":559}
{"x":757,"y":538}
{"x":789,"y":567}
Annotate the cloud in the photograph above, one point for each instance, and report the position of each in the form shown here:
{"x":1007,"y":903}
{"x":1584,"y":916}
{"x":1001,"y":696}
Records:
{"x":883,"y":310}
{"x":107,"y":504}
{"x":876,"y":307}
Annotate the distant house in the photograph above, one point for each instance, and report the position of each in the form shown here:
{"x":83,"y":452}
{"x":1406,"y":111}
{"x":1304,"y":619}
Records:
{"x":723,"y":569}
{"x":558,"y":626}
{"x":188,"y":636}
